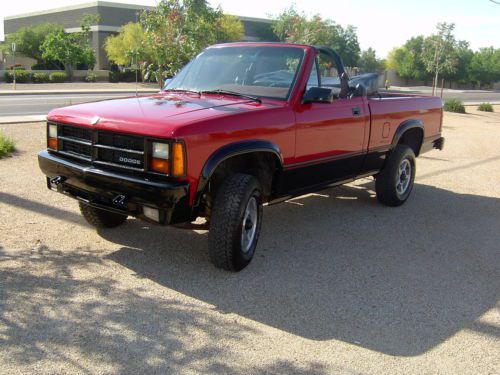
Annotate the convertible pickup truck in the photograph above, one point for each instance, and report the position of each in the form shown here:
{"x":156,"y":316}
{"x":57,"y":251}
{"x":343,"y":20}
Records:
{"x":241,"y":125}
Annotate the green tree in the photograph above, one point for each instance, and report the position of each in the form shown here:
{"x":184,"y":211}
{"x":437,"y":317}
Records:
{"x":463,"y":55}
{"x":438,"y":52}
{"x":63,"y":47}
{"x":229,"y":29}
{"x":71,"y":49}
{"x":485,"y":66}
{"x":294,"y":27}
{"x":368,"y":61}
{"x":402,"y":61}
{"x":176,"y":31}
{"x":30,"y":39}
{"x":415,"y":47}
{"x":130,"y":44}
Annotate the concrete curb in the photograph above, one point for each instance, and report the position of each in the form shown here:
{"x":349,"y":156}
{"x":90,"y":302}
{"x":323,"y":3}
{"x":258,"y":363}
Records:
{"x":22,"y":119}
{"x":475,"y":104}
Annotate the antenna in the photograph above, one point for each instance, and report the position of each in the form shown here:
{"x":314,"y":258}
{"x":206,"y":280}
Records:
{"x":136,"y":78}
{"x":136,"y":62}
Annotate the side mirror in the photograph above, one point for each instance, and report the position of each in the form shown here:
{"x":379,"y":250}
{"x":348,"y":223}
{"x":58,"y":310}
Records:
{"x":318,"y":95}
{"x":359,"y":91}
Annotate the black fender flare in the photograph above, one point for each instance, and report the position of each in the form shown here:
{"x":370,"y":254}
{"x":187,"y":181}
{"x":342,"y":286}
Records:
{"x":231,"y":150}
{"x":404,"y":127}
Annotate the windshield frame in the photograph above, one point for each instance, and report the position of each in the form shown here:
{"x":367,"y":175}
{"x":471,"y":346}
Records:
{"x":290,"y":89}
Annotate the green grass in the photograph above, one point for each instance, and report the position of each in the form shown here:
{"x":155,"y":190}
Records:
{"x":454,"y":105}
{"x":485,"y":107}
{"x":6,"y":145}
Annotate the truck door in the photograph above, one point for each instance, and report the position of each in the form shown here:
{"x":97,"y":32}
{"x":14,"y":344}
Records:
{"x":331,"y":137}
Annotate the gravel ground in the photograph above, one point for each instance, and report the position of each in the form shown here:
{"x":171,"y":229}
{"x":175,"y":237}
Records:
{"x":339,"y":284}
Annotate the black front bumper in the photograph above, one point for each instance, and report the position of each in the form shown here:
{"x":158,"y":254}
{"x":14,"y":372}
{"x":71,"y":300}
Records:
{"x":116,"y":192}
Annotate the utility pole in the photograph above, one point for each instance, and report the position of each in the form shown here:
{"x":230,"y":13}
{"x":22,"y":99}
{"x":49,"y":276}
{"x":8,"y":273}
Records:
{"x":14,"y":52}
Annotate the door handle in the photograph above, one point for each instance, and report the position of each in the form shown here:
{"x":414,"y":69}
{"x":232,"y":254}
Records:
{"x":356,"y":111}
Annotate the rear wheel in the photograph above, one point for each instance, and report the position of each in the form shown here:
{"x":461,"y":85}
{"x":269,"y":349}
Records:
{"x":101,"y":218}
{"x":235,"y":222}
{"x":395,"y":182}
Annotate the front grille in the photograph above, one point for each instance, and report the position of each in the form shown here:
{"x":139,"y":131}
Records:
{"x":78,"y":133}
{"x":120,"y":157}
{"x":102,"y":148}
{"x":77,"y":149}
{"x":121,"y":141}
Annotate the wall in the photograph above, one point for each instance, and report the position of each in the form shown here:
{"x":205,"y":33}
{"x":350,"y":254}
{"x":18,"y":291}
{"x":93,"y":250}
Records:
{"x":7,"y":60}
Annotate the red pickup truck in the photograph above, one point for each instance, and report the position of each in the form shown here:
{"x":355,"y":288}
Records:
{"x":241,"y":125}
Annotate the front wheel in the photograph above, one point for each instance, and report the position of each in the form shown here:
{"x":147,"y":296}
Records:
{"x":395,"y":182}
{"x":235,"y":222}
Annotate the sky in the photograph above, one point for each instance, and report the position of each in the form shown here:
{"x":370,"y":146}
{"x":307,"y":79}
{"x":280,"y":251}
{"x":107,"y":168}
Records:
{"x":381,"y":24}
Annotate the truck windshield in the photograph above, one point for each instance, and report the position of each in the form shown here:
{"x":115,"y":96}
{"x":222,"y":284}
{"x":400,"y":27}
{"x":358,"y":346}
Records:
{"x":259,"y":71}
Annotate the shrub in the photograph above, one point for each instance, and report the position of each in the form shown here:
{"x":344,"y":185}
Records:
{"x":45,"y":66}
{"x":114,"y":77}
{"x":58,"y":77}
{"x":485,"y":107}
{"x":454,"y":105}
{"x":91,"y":77}
{"x":40,"y":78}
{"x":129,"y":76}
{"x":22,"y":76}
{"x":6,"y":145}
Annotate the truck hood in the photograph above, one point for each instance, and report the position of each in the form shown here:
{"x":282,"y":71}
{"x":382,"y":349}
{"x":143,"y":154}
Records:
{"x":156,"y":115}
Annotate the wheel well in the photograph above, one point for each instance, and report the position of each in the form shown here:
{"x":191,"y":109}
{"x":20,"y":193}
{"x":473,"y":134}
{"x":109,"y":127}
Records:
{"x":412,"y":138}
{"x":262,"y":165}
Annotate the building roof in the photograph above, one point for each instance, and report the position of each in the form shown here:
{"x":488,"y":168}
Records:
{"x":109,"y":4}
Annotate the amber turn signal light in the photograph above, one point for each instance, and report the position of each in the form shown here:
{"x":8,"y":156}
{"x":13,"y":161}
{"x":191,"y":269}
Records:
{"x":52,"y":143}
{"x":160,"y":165}
{"x":178,"y":160}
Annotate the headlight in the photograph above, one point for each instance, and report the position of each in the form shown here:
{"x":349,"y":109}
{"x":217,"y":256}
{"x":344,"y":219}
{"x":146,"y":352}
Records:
{"x":52,"y":131}
{"x":159,"y":157}
{"x":52,"y":137}
{"x":160,"y":150}
{"x":168,"y":158}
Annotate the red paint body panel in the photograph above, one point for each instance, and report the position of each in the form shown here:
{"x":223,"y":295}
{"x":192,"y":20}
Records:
{"x":393,"y":111}
{"x":325,"y":130}
{"x":303,"y":133}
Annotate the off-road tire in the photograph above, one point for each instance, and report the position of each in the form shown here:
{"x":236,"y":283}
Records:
{"x":101,"y":218}
{"x":225,"y":242}
{"x":386,"y":184}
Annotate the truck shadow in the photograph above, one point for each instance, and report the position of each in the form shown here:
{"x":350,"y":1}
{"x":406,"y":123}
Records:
{"x":337,"y":265}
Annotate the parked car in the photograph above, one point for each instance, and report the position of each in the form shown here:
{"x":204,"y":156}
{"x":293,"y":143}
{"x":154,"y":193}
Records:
{"x":241,"y":125}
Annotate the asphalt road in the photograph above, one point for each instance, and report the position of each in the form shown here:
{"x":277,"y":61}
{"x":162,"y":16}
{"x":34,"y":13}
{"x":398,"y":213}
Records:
{"x":19,"y":105}
{"x":467,"y":96}
{"x":339,"y":284}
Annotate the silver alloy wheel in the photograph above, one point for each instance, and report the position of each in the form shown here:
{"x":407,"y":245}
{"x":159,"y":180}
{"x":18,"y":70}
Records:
{"x":249,"y":225}
{"x":404,"y":177}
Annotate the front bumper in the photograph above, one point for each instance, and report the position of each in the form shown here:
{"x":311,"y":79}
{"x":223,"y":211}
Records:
{"x":116,"y":192}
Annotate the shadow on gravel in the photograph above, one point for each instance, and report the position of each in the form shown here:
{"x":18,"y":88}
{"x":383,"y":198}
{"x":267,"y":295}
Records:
{"x":89,"y":323}
{"x":337,"y":265}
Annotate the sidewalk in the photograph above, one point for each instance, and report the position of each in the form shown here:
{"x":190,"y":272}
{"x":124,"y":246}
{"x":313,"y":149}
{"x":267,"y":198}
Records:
{"x":75,"y":87}
{"x":4,"y":120}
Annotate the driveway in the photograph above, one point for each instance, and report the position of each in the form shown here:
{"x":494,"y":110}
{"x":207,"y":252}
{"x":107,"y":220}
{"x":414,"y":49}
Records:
{"x":339,"y":284}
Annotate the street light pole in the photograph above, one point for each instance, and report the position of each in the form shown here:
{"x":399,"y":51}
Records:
{"x":14,"y":52}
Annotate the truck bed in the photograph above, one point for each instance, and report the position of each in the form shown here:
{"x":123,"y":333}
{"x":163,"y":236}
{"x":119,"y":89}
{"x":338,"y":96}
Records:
{"x":388,"y":111}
